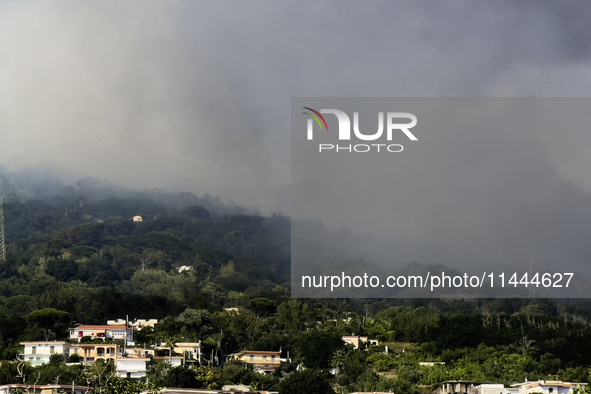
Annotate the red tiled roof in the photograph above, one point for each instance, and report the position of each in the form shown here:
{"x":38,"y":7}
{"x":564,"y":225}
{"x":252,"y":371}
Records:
{"x":548,"y":383}
{"x":44,"y":343}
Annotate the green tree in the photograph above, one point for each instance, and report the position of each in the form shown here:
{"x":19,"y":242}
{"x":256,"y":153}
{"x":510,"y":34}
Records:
{"x":306,"y":382}
{"x":206,"y":377}
{"x":51,"y":321}
{"x":582,"y":390}
{"x":262,"y":306}
{"x":126,"y":386}
{"x":316,"y":348}
{"x":181,"y":376}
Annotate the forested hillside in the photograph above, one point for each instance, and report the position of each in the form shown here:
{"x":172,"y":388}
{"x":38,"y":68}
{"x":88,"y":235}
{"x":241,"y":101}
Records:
{"x":75,"y":255}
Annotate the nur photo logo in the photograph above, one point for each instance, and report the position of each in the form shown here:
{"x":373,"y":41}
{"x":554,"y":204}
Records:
{"x":393,"y":125}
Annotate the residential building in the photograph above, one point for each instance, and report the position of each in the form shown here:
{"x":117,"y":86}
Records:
{"x":462,"y":386}
{"x":91,"y":352}
{"x":130,"y":362}
{"x":175,"y":361}
{"x":356,"y":340}
{"x":191,"y":349}
{"x":236,"y":388}
{"x":38,"y":353}
{"x":540,"y":386}
{"x":175,"y":390}
{"x":114,"y":332}
{"x":135,"y":367}
{"x":138,"y":352}
{"x":136,"y":324}
{"x":182,"y":348}
{"x":43,"y":389}
{"x":491,"y":388}
{"x":544,"y":386}
{"x":263,"y":361}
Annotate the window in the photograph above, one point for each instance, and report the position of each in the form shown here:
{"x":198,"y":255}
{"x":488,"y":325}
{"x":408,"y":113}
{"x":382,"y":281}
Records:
{"x":251,"y":358}
{"x":51,"y":349}
{"x":34,"y":350}
{"x":273,"y":358}
{"x":551,"y":390}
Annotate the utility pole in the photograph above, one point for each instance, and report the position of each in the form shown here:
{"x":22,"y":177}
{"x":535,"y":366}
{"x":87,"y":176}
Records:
{"x":2,"y":244}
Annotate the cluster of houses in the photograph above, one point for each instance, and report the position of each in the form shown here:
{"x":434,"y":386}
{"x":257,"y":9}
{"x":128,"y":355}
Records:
{"x":72,"y":389}
{"x":541,"y":387}
{"x":538,"y":386}
{"x":534,"y":387}
{"x":117,"y":346}
{"x":130,"y":361}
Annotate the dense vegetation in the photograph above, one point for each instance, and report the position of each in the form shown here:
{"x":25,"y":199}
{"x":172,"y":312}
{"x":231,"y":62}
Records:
{"x":75,"y":256}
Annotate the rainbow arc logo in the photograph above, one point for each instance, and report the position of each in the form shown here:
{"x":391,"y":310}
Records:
{"x":315,"y":118}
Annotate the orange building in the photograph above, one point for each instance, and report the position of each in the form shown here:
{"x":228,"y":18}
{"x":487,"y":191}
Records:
{"x":263,"y":361}
{"x":90,"y":352}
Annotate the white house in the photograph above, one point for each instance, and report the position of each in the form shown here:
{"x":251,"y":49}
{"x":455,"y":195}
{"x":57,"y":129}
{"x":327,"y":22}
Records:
{"x":115,"y":332}
{"x":431,"y":363}
{"x":175,"y":361}
{"x":356,"y":340}
{"x":491,"y":388}
{"x":37,"y":353}
{"x":540,"y":386}
{"x":544,"y":386}
{"x":132,"y":367}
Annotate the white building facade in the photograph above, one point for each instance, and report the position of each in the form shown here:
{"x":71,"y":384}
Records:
{"x":38,"y":353}
{"x":544,"y":386}
{"x":132,"y":367}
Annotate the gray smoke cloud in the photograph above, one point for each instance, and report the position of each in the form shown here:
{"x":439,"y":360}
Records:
{"x":195,"y":95}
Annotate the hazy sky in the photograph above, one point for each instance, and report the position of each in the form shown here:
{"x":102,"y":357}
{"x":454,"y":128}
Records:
{"x":195,"y":95}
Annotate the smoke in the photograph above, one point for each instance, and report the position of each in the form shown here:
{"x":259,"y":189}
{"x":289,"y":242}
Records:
{"x":195,"y":95}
